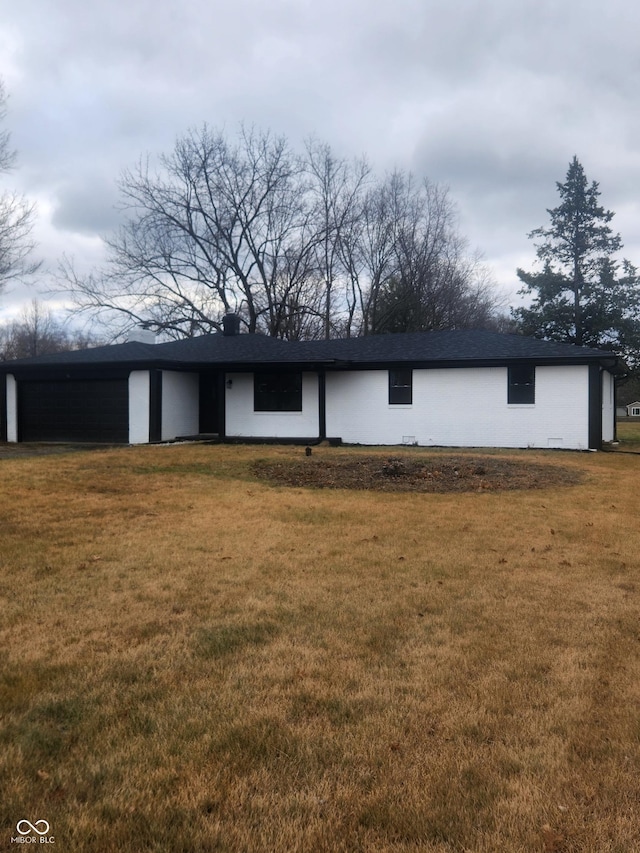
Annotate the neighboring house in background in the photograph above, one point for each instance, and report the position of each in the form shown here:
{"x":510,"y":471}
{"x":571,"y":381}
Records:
{"x":446,"y":388}
{"x":633,"y":410}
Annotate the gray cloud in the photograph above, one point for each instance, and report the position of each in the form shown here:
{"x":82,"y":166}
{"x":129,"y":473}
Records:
{"x":492,"y":98}
{"x":86,"y":207}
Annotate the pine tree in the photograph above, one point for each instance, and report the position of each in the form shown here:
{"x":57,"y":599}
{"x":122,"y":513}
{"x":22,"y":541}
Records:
{"x":583,"y":295}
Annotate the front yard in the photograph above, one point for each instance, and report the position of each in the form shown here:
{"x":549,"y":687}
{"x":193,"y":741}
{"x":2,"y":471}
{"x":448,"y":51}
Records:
{"x":195,"y":659}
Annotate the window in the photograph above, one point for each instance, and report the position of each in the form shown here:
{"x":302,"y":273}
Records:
{"x":635,"y":411}
{"x":400,"y":387}
{"x":522,"y":384}
{"x":277,"y":392}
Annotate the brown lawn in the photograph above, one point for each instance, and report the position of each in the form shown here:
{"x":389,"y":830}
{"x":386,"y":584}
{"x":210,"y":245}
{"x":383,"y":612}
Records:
{"x":196,"y":659}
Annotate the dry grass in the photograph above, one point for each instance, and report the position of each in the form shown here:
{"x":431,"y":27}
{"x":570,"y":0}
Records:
{"x":194,"y":660}
{"x":629,"y":435}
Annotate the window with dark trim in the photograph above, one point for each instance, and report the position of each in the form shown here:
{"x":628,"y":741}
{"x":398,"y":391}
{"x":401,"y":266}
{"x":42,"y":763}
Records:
{"x":400,"y":387}
{"x":522,"y":384}
{"x":277,"y":392}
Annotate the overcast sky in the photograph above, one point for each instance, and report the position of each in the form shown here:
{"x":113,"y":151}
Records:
{"x":490,"y":98}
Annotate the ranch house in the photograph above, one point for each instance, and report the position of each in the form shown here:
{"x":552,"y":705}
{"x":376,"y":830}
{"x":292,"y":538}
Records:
{"x":445,"y":388}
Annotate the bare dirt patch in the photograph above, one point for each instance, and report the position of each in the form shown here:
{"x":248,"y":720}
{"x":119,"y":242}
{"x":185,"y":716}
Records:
{"x":417,"y":474}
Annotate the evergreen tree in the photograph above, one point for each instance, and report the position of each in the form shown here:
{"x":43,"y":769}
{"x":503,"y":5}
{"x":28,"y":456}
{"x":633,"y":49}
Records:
{"x":583,"y":295}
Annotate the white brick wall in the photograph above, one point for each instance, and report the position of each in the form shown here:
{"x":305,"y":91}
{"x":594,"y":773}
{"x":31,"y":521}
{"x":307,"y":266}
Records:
{"x":461,"y":407}
{"x":12,"y":408}
{"x":139,"y":407}
{"x":180,"y":404}
{"x":242,"y":421}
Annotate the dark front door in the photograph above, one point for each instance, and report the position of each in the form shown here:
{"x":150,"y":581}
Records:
{"x":209,"y":422}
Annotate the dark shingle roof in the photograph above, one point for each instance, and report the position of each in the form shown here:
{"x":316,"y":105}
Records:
{"x":114,"y":354}
{"x":448,"y":346}
{"x":215,"y":349}
{"x":437,"y":348}
{"x":222,"y":349}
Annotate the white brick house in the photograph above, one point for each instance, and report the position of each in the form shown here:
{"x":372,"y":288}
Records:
{"x":448,"y":388}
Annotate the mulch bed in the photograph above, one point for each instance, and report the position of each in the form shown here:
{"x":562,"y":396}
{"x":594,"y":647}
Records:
{"x":416,"y":474}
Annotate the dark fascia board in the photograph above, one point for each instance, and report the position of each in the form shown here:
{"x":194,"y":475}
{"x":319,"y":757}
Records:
{"x":270,"y":366}
{"x":120,"y":369}
{"x":70,"y":371}
{"x":614,"y":365}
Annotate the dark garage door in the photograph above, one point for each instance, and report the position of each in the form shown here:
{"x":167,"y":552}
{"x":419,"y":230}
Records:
{"x":95,"y":410}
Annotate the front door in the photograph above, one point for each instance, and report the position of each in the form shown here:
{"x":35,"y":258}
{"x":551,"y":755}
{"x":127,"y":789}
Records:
{"x":209,"y":403}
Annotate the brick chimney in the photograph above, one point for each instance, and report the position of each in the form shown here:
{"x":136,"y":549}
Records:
{"x":230,"y":325}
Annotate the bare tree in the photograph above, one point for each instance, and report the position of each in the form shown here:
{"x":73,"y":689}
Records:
{"x":367,"y":252}
{"x":16,"y":216}
{"x":337,"y":190}
{"x":38,"y":332}
{"x":299,"y":247}
{"x":217,"y":228}
{"x":408,"y":266}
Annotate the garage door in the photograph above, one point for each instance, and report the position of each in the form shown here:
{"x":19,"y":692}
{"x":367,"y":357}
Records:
{"x":93,"y":410}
